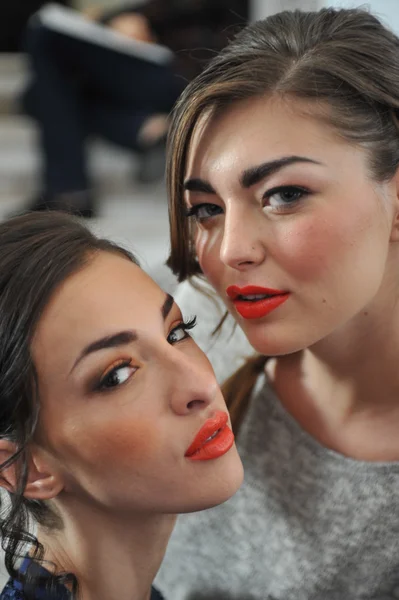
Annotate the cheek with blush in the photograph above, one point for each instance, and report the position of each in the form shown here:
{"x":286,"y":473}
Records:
{"x":107,"y":447}
{"x":302,"y":250}
{"x":318,"y":247}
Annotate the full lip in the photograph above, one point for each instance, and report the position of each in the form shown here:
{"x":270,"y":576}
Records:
{"x":214,"y":438}
{"x":234,"y":291}
{"x":256,"y":308}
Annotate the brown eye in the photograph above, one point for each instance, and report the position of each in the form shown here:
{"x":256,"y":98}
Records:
{"x":117,"y":376}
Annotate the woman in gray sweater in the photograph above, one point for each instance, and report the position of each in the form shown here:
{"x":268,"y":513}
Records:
{"x":284,"y":194}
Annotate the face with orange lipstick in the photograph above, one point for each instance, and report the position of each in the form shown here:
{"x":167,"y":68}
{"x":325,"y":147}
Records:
{"x":132,"y":418}
{"x":290,"y":228}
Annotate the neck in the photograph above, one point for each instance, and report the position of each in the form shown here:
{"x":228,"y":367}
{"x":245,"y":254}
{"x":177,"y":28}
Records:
{"x":350,"y":376}
{"x":112,"y":555}
{"x":360,"y":362}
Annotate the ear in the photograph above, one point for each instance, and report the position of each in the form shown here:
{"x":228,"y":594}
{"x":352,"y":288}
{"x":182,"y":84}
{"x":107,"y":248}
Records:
{"x":395,"y":220}
{"x":43,"y":481}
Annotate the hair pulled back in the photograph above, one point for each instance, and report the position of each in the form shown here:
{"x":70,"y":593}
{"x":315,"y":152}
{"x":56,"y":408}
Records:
{"x":38,"y":251}
{"x":344,"y":60}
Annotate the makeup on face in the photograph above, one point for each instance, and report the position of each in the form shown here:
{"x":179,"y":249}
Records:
{"x":311,"y":222}
{"x":255,"y":302}
{"x":213,"y":440}
{"x":135,"y":393}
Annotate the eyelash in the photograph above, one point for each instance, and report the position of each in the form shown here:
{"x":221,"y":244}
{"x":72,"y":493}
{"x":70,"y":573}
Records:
{"x":185,"y":326}
{"x":101,"y":386}
{"x":193,"y":211}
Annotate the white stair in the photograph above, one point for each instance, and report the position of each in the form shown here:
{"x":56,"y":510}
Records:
{"x":13,"y":75}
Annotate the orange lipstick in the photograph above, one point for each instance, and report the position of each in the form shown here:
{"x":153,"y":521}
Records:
{"x":214,"y":439}
{"x":255,"y":302}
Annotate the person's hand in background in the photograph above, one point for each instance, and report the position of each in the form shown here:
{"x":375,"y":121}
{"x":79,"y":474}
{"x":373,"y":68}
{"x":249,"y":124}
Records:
{"x":92,"y":12}
{"x":134,"y":26}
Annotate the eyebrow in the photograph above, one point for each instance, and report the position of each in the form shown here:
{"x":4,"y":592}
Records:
{"x":250,"y":176}
{"x":198,"y":185}
{"x":121,"y":338}
{"x":167,"y":306}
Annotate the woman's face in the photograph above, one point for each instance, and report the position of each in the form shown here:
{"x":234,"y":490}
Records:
{"x":124,"y":391}
{"x":291,"y":230}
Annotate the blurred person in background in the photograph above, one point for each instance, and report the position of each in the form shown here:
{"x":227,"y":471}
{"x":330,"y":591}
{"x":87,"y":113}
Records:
{"x":77,"y":90}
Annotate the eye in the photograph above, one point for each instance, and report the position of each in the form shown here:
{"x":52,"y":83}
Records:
{"x":202,"y":212}
{"x":284,"y":196}
{"x":117,"y":375}
{"x":179,"y":333}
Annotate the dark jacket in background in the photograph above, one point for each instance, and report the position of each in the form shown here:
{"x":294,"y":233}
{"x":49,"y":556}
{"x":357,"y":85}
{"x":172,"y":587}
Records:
{"x":80,"y":89}
{"x":193,"y":29}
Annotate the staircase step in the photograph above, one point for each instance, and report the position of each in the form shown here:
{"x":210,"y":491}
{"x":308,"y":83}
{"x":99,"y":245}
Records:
{"x":112,"y":168}
{"x":13,"y":77}
{"x":12,"y":63}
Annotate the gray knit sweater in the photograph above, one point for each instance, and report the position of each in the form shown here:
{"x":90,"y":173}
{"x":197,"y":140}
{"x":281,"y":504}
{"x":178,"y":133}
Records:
{"x":307,"y":523}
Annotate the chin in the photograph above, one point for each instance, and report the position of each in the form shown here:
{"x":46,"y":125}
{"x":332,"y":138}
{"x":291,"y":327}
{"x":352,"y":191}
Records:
{"x":217,"y":486}
{"x":276,"y":343}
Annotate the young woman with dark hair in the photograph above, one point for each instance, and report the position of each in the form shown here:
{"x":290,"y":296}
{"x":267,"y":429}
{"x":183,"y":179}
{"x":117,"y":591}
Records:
{"x":111,"y":420}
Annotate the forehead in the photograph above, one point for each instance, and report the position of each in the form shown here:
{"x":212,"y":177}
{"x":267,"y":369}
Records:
{"x":260,"y":129}
{"x":110,"y":293}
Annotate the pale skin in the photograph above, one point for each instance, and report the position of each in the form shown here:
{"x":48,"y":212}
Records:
{"x":331,"y":240}
{"x":116,"y":420}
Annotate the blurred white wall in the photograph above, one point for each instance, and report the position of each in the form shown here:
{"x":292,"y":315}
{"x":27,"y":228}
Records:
{"x":386,"y":10}
{"x":262,"y":8}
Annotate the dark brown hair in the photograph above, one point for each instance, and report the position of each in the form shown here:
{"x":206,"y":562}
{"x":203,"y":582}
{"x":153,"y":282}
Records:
{"x":38,"y":251}
{"x":346,"y":60}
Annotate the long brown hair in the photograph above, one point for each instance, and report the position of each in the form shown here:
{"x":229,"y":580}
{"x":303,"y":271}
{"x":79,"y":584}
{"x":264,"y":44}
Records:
{"x":346,"y":61}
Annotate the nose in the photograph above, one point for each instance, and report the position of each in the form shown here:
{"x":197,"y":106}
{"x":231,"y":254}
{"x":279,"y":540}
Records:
{"x":193,"y":385}
{"x":242,"y":245}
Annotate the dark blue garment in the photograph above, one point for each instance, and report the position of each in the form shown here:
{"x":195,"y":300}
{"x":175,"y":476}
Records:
{"x":13,"y":588}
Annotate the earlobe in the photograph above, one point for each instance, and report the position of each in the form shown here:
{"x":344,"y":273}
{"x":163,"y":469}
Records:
{"x":45,"y":487}
{"x":42,"y":483}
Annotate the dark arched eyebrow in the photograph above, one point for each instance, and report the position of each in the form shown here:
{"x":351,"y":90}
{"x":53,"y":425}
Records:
{"x":121,"y":338}
{"x":167,"y":306}
{"x":255,"y":174}
{"x":250,"y":176}
{"x":198,"y":185}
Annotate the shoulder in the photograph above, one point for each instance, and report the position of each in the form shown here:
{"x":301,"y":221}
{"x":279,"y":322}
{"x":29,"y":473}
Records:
{"x":39,"y":587}
{"x":10,"y":592}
